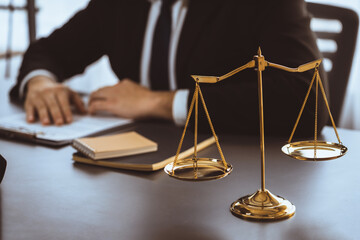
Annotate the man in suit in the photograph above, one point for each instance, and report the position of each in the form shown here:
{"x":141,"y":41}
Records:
{"x":208,"y":37}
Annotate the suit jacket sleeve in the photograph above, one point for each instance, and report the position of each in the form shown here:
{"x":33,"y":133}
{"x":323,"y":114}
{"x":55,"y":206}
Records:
{"x":68,"y":50}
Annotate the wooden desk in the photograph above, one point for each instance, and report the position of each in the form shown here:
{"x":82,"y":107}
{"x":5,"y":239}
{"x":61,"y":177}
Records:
{"x":44,"y":195}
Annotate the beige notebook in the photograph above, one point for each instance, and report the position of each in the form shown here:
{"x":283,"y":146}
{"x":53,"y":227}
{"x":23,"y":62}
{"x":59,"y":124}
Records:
{"x":147,"y":162}
{"x":123,"y":144}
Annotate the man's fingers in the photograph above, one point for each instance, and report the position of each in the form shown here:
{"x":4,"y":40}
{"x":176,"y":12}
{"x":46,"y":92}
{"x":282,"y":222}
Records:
{"x":78,"y":102}
{"x":62,"y":98}
{"x":54,"y":108}
{"x":50,"y":101}
{"x":41,"y":109}
{"x":101,"y":93}
{"x":30,"y":112}
{"x":99,"y":105}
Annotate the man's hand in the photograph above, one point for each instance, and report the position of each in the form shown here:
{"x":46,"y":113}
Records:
{"x":50,"y":101}
{"x":127,"y":99}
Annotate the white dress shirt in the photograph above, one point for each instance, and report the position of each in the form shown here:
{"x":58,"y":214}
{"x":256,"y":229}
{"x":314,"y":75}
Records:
{"x":179,"y":10}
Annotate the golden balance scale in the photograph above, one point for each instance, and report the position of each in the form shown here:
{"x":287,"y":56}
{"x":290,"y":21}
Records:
{"x":261,"y":205}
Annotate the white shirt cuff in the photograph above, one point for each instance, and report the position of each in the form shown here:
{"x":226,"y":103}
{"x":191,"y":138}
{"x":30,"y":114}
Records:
{"x":180,"y":108}
{"x":38,"y":72}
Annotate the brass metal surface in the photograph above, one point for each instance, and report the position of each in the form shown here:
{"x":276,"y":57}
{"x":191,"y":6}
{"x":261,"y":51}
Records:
{"x":314,"y":151}
{"x":262,"y":206}
{"x":202,"y":168}
{"x":302,"y":68}
{"x":260,"y":63}
{"x":214,"y":79}
{"x":205,"y":79}
{"x":198,"y":169}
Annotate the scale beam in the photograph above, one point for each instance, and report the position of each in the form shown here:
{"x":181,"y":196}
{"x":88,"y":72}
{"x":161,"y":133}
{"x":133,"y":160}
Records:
{"x":302,"y":68}
{"x":252,"y":64}
{"x":214,"y":79}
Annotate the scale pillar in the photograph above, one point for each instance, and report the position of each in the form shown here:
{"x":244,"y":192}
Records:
{"x":262,"y":205}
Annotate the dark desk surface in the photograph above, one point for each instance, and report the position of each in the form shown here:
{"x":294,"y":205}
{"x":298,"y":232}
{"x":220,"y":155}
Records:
{"x":44,"y":195}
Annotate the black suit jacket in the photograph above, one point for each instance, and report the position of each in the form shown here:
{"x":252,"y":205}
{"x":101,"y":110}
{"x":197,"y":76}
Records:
{"x":217,"y":37}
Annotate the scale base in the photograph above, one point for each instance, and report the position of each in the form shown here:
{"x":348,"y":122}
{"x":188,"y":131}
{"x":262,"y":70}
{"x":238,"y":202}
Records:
{"x":198,"y":169}
{"x":262,"y":206}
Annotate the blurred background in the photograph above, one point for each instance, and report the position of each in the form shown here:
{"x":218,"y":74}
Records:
{"x":53,"y":14}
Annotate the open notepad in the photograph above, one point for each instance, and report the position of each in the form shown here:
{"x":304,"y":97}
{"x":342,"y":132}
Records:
{"x":15,"y":126}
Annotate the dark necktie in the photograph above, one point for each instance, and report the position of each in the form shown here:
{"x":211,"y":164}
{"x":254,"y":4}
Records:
{"x":159,"y":65}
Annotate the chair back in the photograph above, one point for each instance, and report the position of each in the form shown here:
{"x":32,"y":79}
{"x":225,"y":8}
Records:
{"x":337,"y":59}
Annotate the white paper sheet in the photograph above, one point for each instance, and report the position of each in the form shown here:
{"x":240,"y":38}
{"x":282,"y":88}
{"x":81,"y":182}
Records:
{"x":80,"y":127}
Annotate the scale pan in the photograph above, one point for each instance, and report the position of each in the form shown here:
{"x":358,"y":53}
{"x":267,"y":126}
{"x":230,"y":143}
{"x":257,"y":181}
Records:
{"x":199,"y":169}
{"x":308,"y":151}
